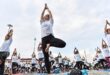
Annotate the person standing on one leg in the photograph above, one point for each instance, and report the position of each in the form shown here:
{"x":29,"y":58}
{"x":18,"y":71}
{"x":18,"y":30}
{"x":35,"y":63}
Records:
{"x":105,"y":51}
{"x":14,"y":61}
{"x":107,"y":33}
{"x":101,"y":59}
{"x":33,"y":62}
{"x":40,"y":57}
{"x":77,"y":59}
{"x":48,"y":38}
{"x":5,"y":50}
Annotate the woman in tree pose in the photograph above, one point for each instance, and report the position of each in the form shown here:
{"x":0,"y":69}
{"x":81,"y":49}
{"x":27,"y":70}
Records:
{"x":106,"y":52}
{"x":95,"y":62}
{"x":48,"y":38}
{"x":60,"y":61}
{"x":33,"y":62}
{"x":40,"y":57}
{"x":107,"y":33}
{"x":101,"y":60}
{"x":77,"y":59}
{"x":5,"y":50}
{"x":14,"y":59}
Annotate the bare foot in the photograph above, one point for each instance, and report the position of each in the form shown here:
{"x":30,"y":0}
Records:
{"x":47,"y":48}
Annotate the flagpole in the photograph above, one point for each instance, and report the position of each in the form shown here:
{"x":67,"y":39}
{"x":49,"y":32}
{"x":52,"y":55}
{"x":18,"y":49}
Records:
{"x":34,"y":43}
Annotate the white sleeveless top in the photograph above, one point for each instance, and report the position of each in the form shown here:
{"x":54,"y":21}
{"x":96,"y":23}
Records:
{"x":43,"y":64}
{"x":14,"y":59}
{"x":106,"y":52}
{"x":5,"y":46}
{"x":46,"y":28}
{"x":60,"y":60}
{"x":100,"y":56}
{"x":19,"y":61}
{"x":66,"y":62}
{"x":40,"y":54}
{"x":50,"y":57}
{"x":33,"y":61}
{"x":77,"y":57}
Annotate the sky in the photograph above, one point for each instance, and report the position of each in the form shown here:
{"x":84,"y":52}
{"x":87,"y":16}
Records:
{"x":80,"y":23}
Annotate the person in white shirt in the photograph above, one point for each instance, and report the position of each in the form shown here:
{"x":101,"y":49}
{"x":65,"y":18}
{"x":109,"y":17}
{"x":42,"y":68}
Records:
{"x":107,"y":33}
{"x":23,"y":67}
{"x":95,"y":63}
{"x":14,"y":61}
{"x":85,"y":63}
{"x":40,"y":57}
{"x":105,"y":51}
{"x":60,"y":61}
{"x":40,"y":53}
{"x":66,"y":64}
{"x":78,"y":59}
{"x":5,"y":50}
{"x":101,"y":60}
{"x":48,"y":38}
{"x":34,"y":62}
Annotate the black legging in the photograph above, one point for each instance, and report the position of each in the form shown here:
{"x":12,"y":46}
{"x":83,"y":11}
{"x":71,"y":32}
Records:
{"x":14,"y":67}
{"x":3,"y":56}
{"x":101,"y":62}
{"x":78,"y":65}
{"x":50,"y":39}
{"x":2,"y":65}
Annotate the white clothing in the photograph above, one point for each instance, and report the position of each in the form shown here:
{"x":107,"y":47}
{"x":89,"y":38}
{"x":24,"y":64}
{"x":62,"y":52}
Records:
{"x":19,"y":62}
{"x":8,"y":65}
{"x":23,"y":64}
{"x":51,"y":57}
{"x":46,"y":28}
{"x":105,"y":52}
{"x":14,"y":59}
{"x":66,"y":62}
{"x":5,"y":46}
{"x":38,"y":66}
{"x":57,"y":65}
{"x":33,"y":61}
{"x":108,"y":39}
{"x":77,"y":57}
{"x":100,"y":56}
{"x":26,"y":65}
{"x":60,"y":60}
{"x":43,"y":64}
{"x":95,"y":61}
{"x":40,"y":54}
{"x":70,"y":63}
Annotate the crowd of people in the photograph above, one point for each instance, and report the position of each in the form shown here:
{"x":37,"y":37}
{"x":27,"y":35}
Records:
{"x":37,"y":64}
{"x":101,"y":59}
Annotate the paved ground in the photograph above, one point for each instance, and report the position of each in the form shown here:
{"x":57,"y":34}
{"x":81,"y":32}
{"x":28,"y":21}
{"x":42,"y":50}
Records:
{"x":99,"y":72}
{"x":92,"y":72}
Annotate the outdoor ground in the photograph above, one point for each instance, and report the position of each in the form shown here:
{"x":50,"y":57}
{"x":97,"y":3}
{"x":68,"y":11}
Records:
{"x":92,"y":72}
